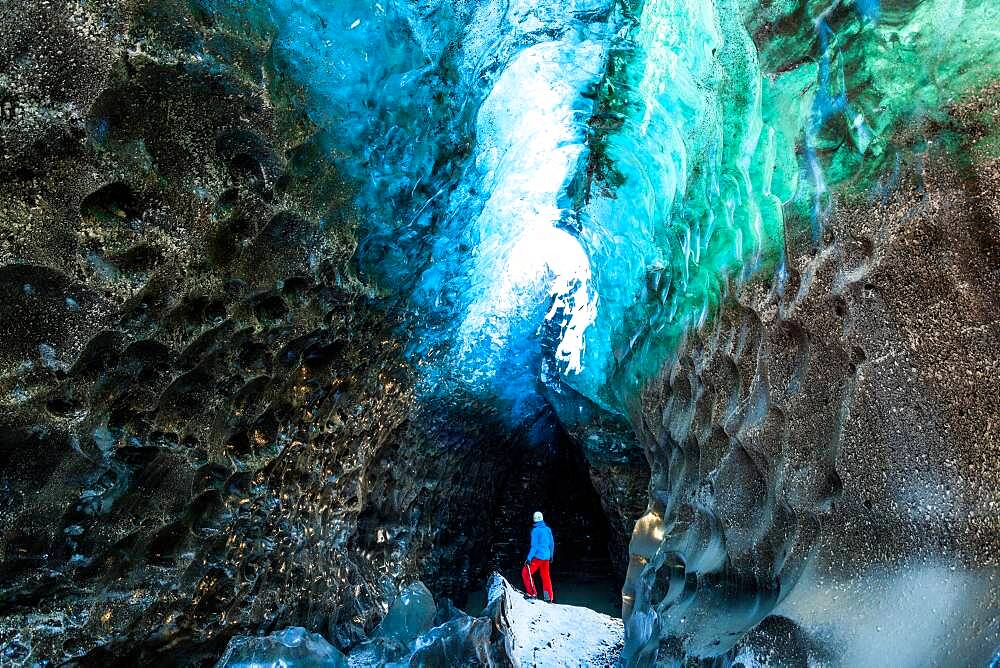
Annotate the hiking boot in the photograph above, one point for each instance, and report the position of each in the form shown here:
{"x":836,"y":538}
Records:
{"x":528,"y":597}
{"x":548,"y":599}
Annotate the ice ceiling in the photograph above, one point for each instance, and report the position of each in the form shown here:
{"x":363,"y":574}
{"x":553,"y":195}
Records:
{"x":560,"y":189}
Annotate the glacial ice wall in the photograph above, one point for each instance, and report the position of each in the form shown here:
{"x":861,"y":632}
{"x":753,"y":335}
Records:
{"x":725,"y":126}
{"x":519,"y":164}
{"x":616,"y":168}
{"x":817,"y":469}
{"x":823,"y":486}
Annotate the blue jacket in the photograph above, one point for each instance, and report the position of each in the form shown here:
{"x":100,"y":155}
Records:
{"x":543,"y":545}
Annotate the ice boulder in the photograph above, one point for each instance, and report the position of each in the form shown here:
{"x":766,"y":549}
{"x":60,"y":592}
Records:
{"x":411,"y":614}
{"x":293,"y":647}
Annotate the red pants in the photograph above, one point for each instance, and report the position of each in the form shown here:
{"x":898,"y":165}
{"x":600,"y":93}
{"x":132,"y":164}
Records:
{"x":529,"y":582}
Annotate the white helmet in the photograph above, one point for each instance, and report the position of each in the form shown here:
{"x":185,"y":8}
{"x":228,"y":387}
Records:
{"x":537,"y":516}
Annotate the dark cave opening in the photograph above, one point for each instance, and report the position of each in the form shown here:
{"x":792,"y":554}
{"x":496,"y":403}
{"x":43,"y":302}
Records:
{"x":550,"y":474}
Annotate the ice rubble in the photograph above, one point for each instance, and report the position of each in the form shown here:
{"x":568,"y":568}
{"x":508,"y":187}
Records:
{"x":293,"y":647}
{"x":513,"y":631}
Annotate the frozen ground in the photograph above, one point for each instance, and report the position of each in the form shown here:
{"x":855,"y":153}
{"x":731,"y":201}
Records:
{"x":550,"y":634}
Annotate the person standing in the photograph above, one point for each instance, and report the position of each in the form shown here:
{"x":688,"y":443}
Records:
{"x":543,"y":549}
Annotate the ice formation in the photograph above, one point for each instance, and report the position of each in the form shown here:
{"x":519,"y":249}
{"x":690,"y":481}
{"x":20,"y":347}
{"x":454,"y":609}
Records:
{"x":291,"y":289}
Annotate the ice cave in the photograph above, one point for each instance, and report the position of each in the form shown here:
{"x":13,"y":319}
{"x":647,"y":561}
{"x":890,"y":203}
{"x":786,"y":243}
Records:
{"x":307,"y":307}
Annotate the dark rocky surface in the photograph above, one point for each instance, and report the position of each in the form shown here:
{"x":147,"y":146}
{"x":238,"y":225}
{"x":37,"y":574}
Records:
{"x":170,"y":303}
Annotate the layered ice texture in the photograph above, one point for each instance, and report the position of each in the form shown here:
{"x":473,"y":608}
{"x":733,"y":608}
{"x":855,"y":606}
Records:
{"x":610,"y":168}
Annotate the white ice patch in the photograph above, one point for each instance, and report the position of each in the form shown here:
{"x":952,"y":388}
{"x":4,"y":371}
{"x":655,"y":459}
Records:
{"x":531,"y":137}
{"x":550,"y":634}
